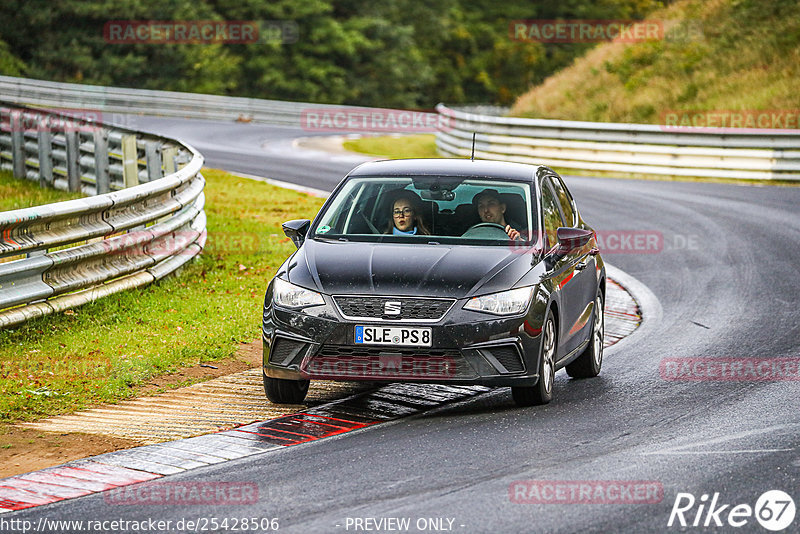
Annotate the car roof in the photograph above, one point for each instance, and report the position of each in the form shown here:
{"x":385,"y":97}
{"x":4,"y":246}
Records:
{"x":447,"y":167}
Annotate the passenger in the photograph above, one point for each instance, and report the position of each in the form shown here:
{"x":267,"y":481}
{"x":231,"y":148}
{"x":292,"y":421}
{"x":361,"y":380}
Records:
{"x":492,"y":209}
{"x":407,"y":215}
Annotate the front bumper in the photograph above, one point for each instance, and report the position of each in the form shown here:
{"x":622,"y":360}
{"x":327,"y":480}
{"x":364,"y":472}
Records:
{"x":468,"y":347}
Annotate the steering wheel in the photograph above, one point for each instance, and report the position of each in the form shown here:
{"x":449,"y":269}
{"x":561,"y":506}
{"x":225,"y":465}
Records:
{"x":486,"y":230}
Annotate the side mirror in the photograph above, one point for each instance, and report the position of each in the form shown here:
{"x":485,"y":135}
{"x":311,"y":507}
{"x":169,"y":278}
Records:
{"x":296,"y":230}
{"x":570,"y":239}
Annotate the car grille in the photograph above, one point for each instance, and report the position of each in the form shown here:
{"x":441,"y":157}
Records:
{"x":508,"y":356}
{"x":284,"y":350}
{"x":415,"y":309}
{"x":402,"y":363}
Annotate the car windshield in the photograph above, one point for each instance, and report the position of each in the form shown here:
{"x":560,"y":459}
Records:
{"x":436,"y":209}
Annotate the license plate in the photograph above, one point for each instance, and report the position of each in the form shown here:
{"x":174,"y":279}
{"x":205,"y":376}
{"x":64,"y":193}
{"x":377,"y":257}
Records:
{"x":393,"y":335}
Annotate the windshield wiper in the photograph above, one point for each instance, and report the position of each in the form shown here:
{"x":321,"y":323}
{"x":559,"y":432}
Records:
{"x":330,"y":238}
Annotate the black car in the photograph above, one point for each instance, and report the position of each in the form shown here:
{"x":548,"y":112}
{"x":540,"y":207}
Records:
{"x":438,"y":270}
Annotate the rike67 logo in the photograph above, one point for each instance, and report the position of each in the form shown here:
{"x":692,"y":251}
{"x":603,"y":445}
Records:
{"x":774,"y":510}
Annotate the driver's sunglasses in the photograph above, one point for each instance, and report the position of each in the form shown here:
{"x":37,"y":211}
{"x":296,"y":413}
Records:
{"x":405,"y":211}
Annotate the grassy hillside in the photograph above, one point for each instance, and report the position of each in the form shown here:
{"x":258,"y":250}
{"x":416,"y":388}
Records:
{"x":716,"y":55}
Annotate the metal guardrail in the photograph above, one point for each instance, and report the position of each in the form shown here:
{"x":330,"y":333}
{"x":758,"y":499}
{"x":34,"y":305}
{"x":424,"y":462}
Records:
{"x":145,"y":221}
{"x":150,"y":102}
{"x":589,"y":146}
{"x":624,"y":148}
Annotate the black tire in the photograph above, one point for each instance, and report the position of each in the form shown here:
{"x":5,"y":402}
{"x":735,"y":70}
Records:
{"x":588,"y":364}
{"x":282,"y":391}
{"x":542,"y":392}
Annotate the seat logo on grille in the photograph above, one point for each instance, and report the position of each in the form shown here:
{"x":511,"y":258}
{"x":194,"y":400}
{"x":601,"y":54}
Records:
{"x":391,"y":307}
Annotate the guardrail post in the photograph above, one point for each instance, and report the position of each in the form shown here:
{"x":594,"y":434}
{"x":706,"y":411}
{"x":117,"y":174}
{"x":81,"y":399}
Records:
{"x":45,"y":138}
{"x":59,"y":243}
{"x":73,"y":155}
{"x":17,"y":144}
{"x":168,"y":156}
{"x":130,"y":166}
{"x":102,"y":178}
{"x":152,"y":154}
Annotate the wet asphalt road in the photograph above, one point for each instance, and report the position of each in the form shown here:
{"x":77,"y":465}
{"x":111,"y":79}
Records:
{"x":727,"y":283}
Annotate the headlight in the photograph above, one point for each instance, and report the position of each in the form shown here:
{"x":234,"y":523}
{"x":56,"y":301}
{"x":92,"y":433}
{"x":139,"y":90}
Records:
{"x":509,"y":302}
{"x":292,"y":296}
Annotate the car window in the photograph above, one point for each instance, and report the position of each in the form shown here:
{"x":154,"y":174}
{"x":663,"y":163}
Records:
{"x":439,"y":208}
{"x":564,"y":200}
{"x":552,"y":215}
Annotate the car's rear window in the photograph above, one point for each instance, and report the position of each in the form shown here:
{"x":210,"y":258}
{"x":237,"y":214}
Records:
{"x":440,"y":209}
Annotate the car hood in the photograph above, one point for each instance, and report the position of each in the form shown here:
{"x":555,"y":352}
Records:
{"x":406,"y":269}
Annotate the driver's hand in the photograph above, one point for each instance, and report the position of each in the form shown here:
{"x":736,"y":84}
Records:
{"x":513,"y":234}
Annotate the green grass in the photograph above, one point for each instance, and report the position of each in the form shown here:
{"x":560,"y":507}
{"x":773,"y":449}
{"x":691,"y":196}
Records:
{"x":17,"y":194}
{"x":105,"y":351}
{"x":395,"y":147}
{"x":716,"y":55}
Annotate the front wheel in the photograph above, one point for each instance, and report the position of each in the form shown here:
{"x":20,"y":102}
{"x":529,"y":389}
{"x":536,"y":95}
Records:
{"x":282,"y":391}
{"x":542,"y":392}
{"x":588,"y":364}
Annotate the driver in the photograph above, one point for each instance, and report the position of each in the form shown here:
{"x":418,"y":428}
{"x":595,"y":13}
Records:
{"x":492,"y":209}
